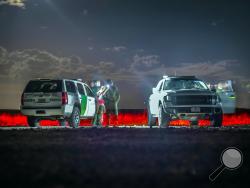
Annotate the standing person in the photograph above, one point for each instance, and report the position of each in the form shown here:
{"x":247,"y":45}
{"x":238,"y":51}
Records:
{"x":95,"y":86}
{"x":112,"y":98}
{"x":100,"y":106}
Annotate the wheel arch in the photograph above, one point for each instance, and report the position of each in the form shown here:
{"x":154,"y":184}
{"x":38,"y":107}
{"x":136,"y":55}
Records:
{"x":78,"y":106}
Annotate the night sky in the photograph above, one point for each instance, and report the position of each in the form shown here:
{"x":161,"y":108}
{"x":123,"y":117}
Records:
{"x":133,"y":42}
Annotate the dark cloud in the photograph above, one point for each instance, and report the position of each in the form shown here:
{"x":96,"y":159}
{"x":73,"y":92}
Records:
{"x":146,"y":61}
{"x":16,"y":3}
{"x":19,"y":66}
{"x":115,"y":48}
{"x":31,"y":63}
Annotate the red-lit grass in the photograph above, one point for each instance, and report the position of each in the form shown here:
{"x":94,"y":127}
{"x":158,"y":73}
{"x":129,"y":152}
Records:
{"x":126,"y":119}
{"x":236,"y":119}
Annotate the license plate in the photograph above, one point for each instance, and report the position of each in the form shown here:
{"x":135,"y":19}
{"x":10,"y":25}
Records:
{"x":41,"y":100}
{"x":195,"y":109}
{"x":40,"y":112}
{"x":193,"y":118}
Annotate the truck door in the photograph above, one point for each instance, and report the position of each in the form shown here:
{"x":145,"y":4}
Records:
{"x":155,"y":97}
{"x":83,"y":100}
{"x":227,"y":95}
{"x":91,"y":101}
{"x":72,"y":95}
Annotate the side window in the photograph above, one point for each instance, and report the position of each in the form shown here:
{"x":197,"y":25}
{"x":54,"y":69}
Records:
{"x":161,"y":86}
{"x":165,"y":85}
{"x":81,"y":89}
{"x":89,"y":92}
{"x":70,"y":86}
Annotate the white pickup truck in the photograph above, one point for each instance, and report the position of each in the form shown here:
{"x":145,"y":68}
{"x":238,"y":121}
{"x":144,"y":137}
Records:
{"x":183,"y":97}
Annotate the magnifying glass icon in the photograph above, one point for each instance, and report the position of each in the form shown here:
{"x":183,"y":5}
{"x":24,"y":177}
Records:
{"x":231,"y":159}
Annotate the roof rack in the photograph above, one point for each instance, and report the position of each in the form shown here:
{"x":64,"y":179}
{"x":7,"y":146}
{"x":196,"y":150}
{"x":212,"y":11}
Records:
{"x":184,"y":77}
{"x":42,"y":79}
{"x":78,"y":79}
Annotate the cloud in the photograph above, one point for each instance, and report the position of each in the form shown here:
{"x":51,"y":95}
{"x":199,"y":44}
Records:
{"x":146,"y":61}
{"x":44,"y":27}
{"x":85,"y":12}
{"x":220,"y":70}
{"x":115,"y":48}
{"x":139,"y":50}
{"x":33,"y":63}
{"x":16,"y":3}
{"x":216,"y":22}
{"x":91,"y":48}
{"x":19,"y":66}
{"x":150,"y":65}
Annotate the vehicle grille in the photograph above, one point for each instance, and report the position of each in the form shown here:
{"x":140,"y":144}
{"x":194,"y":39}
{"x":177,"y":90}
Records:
{"x":193,"y":100}
{"x":188,"y":110}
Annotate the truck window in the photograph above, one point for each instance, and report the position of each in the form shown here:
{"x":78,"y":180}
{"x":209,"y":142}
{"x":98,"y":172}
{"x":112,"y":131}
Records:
{"x":70,"y":86}
{"x":161,"y":86}
{"x":81,"y":89}
{"x":89,"y":92}
{"x":44,"y":86}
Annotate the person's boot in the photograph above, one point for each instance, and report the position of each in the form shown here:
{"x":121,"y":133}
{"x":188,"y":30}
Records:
{"x":116,"y":120}
{"x":94,"y":122}
{"x":108,"y":119}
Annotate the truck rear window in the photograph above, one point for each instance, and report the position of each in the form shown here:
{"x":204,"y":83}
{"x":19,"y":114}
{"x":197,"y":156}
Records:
{"x":44,"y":86}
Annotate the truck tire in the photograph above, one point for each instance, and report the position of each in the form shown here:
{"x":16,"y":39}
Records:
{"x":74,"y":120}
{"x":163,"y":118}
{"x":218,"y":118}
{"x":151,"y":119}
{"x":32,"y":121}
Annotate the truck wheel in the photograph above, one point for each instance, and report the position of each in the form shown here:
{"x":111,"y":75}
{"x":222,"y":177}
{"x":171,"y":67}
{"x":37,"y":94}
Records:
{"x":151,"y":119}
{"x":32,"y":121}
{"x":218,"y":118}
{"x":74,"y":120}
{"x":163,"y":118}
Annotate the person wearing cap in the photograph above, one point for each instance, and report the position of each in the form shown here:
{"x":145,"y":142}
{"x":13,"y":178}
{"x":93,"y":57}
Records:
{"x":95,"y":86}
{"x":100,"y":106}
{"x":111,"y":98}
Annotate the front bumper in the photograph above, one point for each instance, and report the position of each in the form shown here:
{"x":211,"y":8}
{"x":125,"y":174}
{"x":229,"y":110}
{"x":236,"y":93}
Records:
{"x":186,"y":113}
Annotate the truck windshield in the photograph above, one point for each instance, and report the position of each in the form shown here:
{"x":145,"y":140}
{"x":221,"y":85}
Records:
{"x":177,"y":84}
{"x":44,"y":86}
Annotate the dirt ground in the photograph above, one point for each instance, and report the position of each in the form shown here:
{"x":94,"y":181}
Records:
{"x":120,"y":157}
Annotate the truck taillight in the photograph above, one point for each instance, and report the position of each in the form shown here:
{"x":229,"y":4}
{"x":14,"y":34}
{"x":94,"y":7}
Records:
{"x":22,"y":99}
{"x":64,"y":98}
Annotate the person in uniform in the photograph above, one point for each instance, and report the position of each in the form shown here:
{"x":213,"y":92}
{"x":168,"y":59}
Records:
{"x":100,"y":108}
{"x":99,"y":90}
{"x":95,"y":86}
{"x":111,"y":98}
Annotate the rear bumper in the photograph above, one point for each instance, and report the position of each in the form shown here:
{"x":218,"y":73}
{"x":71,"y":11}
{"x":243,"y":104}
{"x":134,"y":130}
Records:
{"x":43,"y":112}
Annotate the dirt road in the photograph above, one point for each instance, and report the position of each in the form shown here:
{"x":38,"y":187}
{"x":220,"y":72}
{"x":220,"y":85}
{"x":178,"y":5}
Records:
{"x":120,"y":157}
